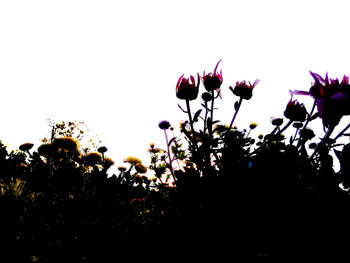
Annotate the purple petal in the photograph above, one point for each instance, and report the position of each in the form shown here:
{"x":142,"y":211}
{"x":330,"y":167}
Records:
{"x":178,"y":82}
{"x":217,"y":66}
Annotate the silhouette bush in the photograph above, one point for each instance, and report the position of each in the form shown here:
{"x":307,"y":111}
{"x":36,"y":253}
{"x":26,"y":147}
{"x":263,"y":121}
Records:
{"x":215,"y":193}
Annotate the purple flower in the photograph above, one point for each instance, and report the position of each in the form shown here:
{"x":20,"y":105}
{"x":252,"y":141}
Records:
{"x":244,"y":89}
{"x":212,"y":81}
{"x":332,"y":98}
{"x":164,"y":125}
{"x":186,"y":88}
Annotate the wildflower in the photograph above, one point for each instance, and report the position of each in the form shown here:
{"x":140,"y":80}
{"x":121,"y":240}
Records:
{"x":332,"y":98}
{"x":67,"y":143}
{"x":186,"y":88}
{"x":243,"y":89}
{"x":121,"y":168}
{"x":212,"y":81}
{"x":154,"y":150}
{"x":276,"y":121}
{"x":253,"y":125}
{"x":93,"y":158}
{"x":26,"y":146}
{"x":151,"y":145}
{"x":132,"y":160}
{"x":108,"y":162}
{"x":45,"y":149}
{"x":206,"y":96}
{"x":141,"y":168}
{"x":295,"y":111}
{"x":164,"y":125}
{"x":138,"y":179}
{"x":102,"y":149}
{"x":297,"y":125}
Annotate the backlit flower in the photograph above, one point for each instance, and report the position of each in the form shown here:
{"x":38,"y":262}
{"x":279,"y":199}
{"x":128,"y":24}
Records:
{"x":102,"y":149}
{"x":141,"y":168}
{"x":295,"y":111}
{"x":186,"y":88}
{"x":332,"y":98}
{"x":67,"y":143}
{"x":26,"y":146}
{"x":93,"y":158}
{"x":132,"y":160}
{"x":45,"y":149}
{"x":212,"y":81}
{"x":244,"y":89}
{"x":164,"y":125}
{"x":253,"y":125}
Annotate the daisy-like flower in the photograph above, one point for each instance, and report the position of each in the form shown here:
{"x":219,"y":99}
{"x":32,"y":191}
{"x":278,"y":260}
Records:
{"x":93,"y":158}
{"x":295,"y":111}
{"x":164,"y":125}
{"x":26,"y":146}
{"x":212,"y":81}
{"x":244,"y":89}
{"x":132,"y":160}
{"x":332,"y":98}
{"x":67,"y":143}
{"x":141,"y":168}
{"x":102,"y":149}
{"x":253,"y":125}
{"x":186,"y":88}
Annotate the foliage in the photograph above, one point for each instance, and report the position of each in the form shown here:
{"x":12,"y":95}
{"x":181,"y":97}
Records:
{"x":216,"y":192}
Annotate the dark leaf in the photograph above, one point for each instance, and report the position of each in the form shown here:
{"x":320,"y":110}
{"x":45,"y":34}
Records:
{"x":196,"y":115}
{"x":314,"y":116}
{"x":181,"y":108}
{"x":236,"y":105}
{"x":171,"y":140}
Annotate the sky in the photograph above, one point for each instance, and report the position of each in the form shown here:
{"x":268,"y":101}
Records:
{"x":115,"y":64}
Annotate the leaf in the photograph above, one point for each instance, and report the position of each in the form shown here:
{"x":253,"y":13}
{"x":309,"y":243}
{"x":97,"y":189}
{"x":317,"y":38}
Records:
{"x":196,"y":115}
{"x":171,"y":140}
{"x":236,"y":105}
{"x":313,"y":117}
{"x":181,"y":108}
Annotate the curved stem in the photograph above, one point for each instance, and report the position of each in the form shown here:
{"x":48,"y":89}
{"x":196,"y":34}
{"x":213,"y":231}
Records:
{"x":236,"y":112}
{"x":342,"y":132}
{"x":307,"y":122}
{"x":326,"y":136}
{"x":170,"y":161}
{"x":285,"y":127}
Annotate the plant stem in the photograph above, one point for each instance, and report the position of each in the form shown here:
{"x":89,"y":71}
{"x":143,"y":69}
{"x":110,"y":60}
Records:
{"x":342,"y":132}
{"x":236,"y":111}
{"x":170,"y":161}
{"x":285,"y":127}
{"x":326,"y":136}
{"x":307,"y":122}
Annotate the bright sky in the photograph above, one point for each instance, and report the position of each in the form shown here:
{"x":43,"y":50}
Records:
{"x":115,"y":64}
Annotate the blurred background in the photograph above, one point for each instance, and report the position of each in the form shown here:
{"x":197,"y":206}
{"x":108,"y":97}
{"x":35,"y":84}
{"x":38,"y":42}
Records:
{"x":115,"y":64}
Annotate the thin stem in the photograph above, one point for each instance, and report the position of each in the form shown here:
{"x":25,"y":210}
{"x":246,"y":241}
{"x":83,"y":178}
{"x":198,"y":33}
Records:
{"x":236,"y":112}
{"x":326,"y":136}
{"x":285,"y":127}
{"x":170,"y":161}
{"x":307,"y":122}
{"x":212,"y":106}
{"x":342,"y":132}
{"x":190,"y":116}
{"x":206,"y":115}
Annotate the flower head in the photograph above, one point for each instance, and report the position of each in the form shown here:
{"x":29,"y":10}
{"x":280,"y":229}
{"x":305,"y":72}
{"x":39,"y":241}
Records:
{"x":93,"y":158}
{"x":26,"y":146}
{"x":132,"y":160}
{"x":295,"y":111}
{"x":102,"y":149}
{"x":253,"y":125}
{"x":164,"y":125}
{"x":212,"y":81}
{"x":141,"y":168}
{"x":332,"y":98}
{"x":186,"y":88}
{"x":67,"y":143}
{"x":244,"y":89}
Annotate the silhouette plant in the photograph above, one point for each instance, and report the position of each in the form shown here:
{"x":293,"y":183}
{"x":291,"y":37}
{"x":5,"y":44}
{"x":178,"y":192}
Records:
{"x":217,"y":192}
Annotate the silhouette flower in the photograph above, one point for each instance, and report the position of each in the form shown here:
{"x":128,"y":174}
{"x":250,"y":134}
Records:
{"x":26,"y":146}
{"x":93,"y":158}
{"x":164,"y":125}
{"x":186,"y":88}
{"x":243,"y":89}
{"x":295,"y":111}
{"x":132,"y":160}
{"x":332,"y":98}
{"x":212,"y":81}
{"x":141,"y":168}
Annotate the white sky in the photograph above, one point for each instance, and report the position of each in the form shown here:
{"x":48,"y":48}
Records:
{"x":115,"y":64}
